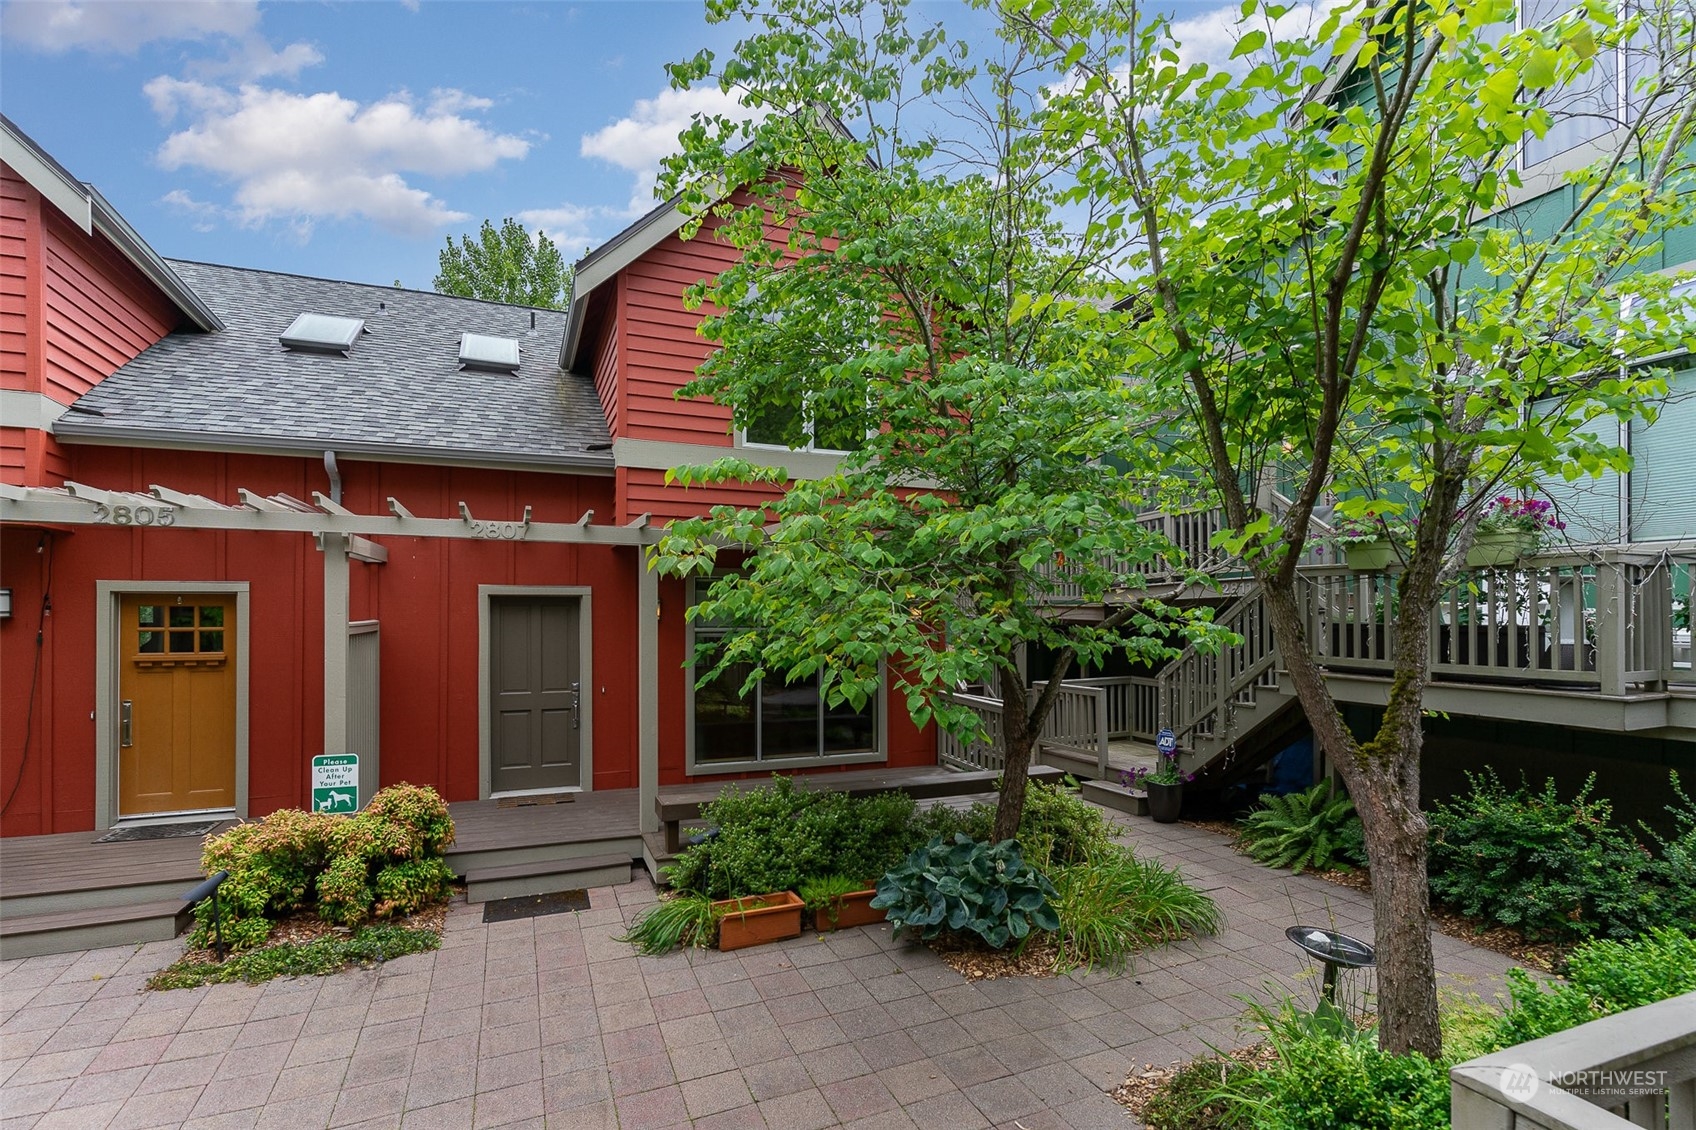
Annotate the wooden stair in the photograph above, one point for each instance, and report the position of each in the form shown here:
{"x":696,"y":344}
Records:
{"x":546,"y":877}
{"x":62,"y":931}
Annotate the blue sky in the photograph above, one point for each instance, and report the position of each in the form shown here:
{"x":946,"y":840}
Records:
{"x":347,"y":140}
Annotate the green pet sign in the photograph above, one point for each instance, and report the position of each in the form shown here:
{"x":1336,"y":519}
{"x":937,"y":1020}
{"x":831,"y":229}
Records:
{"x":335,"y":782}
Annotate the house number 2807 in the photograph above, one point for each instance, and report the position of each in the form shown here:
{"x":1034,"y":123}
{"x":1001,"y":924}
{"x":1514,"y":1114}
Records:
{"x":135,"y":515}
{"x":500,"y":531}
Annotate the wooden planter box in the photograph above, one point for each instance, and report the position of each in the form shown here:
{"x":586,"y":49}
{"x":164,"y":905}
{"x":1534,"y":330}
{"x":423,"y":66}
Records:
{"x":852,"y":909}
{"x":756,"y":919}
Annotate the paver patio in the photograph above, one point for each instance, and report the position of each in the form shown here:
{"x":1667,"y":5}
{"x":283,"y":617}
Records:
{"x":549,"y":1021}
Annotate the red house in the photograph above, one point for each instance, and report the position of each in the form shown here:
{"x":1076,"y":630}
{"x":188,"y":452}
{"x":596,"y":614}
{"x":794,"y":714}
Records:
{"x":248,"y":518}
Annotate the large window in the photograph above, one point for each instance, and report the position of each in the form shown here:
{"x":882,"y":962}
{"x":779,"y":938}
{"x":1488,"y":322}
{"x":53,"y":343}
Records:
{"x":776,"y":721}
{"x":807,"y":429}
{"x":1593,"y":104}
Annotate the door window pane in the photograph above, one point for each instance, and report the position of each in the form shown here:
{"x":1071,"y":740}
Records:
{"x":211,"y":641}
{"x":150,"y":615}
{"x":211,"y":616}
{"x":151,"y":643}
{"x":182,"y":616}
{"x":182,"y":642}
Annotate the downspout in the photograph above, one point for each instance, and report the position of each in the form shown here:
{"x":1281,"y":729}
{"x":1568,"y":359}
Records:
{"x":335,"y":474}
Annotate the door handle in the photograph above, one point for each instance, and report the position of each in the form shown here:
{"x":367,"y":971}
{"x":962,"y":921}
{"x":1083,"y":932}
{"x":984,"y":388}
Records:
{"x":576,"y":705}
{"x":124,"y":733}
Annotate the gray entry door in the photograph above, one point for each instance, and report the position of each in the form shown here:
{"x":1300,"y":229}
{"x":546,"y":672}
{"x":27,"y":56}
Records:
{"x":535,"y":690}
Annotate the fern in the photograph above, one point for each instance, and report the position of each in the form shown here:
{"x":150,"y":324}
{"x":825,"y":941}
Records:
{"x":1317,"y":828}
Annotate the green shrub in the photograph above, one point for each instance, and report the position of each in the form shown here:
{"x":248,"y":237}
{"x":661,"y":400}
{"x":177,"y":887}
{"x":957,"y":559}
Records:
{"x":1326,"y":1082}
{"x":1211,"y":1093}
{"x":762,"y":844}
{"x":308,"y":959}
{"x":380,"y":862}
{"x":1556,"y":869}
{"x":682,"y":920}
{"x":1317,"y":828}
{"x":968,"y":886}
{"x":1674,"y":868}
{"x":1058,"y":828}
{"x":1114,"y":904}
{"x":1603,"y":977}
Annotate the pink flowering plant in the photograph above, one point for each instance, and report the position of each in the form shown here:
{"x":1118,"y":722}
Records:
{"x":1165,"y":772}
{"x":1520,"y":515}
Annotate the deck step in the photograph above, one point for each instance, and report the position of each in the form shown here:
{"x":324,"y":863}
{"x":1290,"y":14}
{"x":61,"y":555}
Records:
{"x":1110,"y":794}
{"x":517,"y":880}
{"x":63,"y":931}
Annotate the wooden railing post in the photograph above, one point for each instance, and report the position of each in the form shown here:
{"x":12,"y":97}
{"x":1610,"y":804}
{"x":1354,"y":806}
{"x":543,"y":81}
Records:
{"x":1613,"y":614}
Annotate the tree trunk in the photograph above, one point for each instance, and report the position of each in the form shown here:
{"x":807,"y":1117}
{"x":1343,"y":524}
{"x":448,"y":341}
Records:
{"x":1018,"y":738}
{"x":1384,"y":782}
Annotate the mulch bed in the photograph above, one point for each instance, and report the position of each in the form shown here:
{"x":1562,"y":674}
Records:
{"x":1545,"y":957}
{"x":974,"y":961}
{"x":1142,"y":1084}
{"x":305,"y":926}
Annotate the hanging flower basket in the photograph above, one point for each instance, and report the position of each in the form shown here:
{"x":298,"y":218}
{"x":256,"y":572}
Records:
{"x":1369,"y":556}
{"x":1500,"y":547}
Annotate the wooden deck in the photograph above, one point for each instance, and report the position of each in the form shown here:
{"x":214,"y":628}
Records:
{"x":36,"y":866}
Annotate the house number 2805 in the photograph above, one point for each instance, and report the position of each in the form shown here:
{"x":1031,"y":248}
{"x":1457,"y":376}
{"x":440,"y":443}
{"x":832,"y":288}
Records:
{"x":135,"y":515}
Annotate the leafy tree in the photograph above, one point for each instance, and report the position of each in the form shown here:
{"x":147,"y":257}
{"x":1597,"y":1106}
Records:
{"x":505,"y":264}
{"x":1310,"y":278}
{"x":878,"y":320}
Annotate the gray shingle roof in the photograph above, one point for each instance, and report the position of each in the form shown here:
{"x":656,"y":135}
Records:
{"x":399,"y":391}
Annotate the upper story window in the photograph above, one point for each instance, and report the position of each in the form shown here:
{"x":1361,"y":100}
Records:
{"x":802,"y":428}
{"x":1593,"y":104}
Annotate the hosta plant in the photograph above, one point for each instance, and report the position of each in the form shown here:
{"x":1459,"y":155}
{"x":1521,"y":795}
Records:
{"x":1317,"y":828}
{"x":969,"y":887}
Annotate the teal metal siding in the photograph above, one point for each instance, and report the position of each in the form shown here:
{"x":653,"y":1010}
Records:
{"x":1663,"y":475}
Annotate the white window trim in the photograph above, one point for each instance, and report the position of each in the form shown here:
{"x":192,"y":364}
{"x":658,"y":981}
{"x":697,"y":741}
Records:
{"x":694,"y":768}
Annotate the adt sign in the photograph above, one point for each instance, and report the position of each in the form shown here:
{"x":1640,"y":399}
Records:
{"x":1166,"y":742}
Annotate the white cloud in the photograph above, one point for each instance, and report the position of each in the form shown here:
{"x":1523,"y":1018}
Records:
{"x":1211,"y":36}
{"x":640,"y":140}
{"x":124,"y":26}
{"x":104,"y":25}
{"x":447,"y":101}
{"x":299,"y":158}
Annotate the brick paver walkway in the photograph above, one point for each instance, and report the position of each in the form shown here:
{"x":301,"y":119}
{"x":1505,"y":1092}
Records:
{"x":550,"y":1021}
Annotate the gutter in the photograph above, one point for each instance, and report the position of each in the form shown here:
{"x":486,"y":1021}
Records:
{"x":68,"y":428}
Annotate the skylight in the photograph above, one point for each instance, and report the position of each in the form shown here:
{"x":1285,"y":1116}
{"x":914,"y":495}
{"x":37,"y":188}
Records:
{"x":322,"y":333}
{"x":496,"y":354}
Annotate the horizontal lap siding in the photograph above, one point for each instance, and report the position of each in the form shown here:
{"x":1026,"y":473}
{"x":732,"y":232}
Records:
{"x":659,"y":346}
{"x":98,"y":310}
{"x":606,"y":374}
{"x":646,"y":492}
{"x":18,"y":203}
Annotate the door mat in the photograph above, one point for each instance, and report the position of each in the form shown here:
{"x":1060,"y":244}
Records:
{"x":533,"y":801}
{"x":535,"y":906}
{"x":157,"y":831}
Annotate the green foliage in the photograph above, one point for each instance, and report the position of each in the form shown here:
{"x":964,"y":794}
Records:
{"x":1603,"y":977}
{"x":1209,"y":1093}
{"x":1332,"y":1083}
{"x":1554,"y":868}
{"x":819,"y":893}
{"x":316,"y":958}
{"x":1317,"y":828}
{"x":773,"y":837}
{"x":1059,"y":828}
{"x":1112,"y":904}
{"x":1674,"y":868}
{"x":505,"y":264}
{"x":381,"y":862}
{"x":684,"y":919}
{"x":970,"y":887}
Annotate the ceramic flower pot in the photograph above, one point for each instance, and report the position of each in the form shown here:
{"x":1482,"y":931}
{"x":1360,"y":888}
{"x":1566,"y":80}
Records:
{"x":1369,"y":556}
{"x":755,"y":919}
{"x":853,"y":909}
{"x":1164,"y":801}
{"x":1500,"y":547}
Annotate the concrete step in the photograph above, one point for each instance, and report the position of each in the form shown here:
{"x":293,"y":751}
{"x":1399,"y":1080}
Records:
{"x":517,"y":880}
{"x":1110,"y":794}
{"x":63,"y":931}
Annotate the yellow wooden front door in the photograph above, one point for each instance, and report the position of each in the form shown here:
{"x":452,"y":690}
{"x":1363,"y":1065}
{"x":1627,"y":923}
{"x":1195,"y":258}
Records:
{"x":177,"y":703}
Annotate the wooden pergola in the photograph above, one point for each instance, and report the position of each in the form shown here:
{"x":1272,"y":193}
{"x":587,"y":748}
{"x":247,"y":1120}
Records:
{"x":344,"y":535}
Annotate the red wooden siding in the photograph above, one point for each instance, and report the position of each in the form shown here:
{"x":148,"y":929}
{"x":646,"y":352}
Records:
{"x":606,"y":370}
{"x":425,"y":597}
{"x":645,"y":492}
{"x":98,"y":311}
{"x":19,"y":205}
{"x":661,"y":348}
